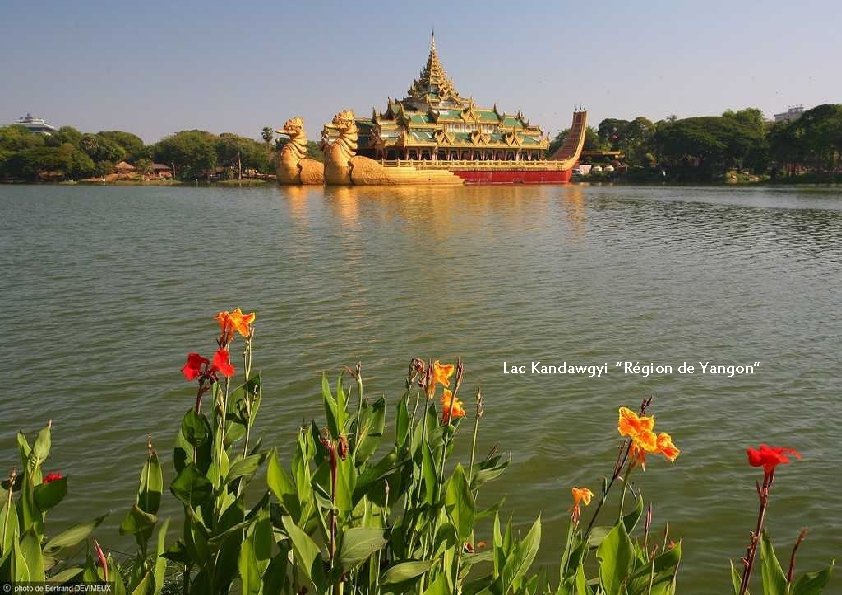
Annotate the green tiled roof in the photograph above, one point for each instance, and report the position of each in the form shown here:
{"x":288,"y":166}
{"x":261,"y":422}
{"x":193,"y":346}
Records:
{"x":422,"y":136}
{"x":419,"y":118}
{"x":511,"y":122}
{"x":486,"y":115}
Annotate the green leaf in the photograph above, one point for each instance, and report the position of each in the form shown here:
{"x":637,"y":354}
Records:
{"x":668,"y":561}
{"x":247,"y":565}
{"x":370,"y":429}
{"x":405,"y":571}
{"x":341,"y":406}
{"x":615,"y":555}
{"x":358,"y":544}
{"x":307,"y":554}
{"x":401,"y":423}
{"x":41,"y":448}
{"x":580,"y":581}
{"x":736,"y":578}
{"x":428,"y":472}
{"x":439,"y":586}
{"x":489,"y":470}
{"x":137,"y":521}
{"x":774,"y":580}
{"x":195,"y":428}
{"x":30,"y":548}
{"x":65,"y":575}
{"x":246,"y":467}
{"x":160,"y":569}
{"x":151,"y":485}
{"x":459,"y":503}
{"x":331,"y":409}
{"x":191,"y":486}
{"x":48,"y":495}
{"x":73,"y":535}
{"x":523,"y":555}
{"x":281,"y":485}
{"x":630,"y":520}
{"x":8,"y":533}
{"x":812,"y":583}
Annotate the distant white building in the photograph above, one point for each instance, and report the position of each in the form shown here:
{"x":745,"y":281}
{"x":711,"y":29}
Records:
{"x":37,"y":125}
{"x":793,"y":112}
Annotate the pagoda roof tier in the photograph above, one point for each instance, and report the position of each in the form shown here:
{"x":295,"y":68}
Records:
{"x":433,"y":86}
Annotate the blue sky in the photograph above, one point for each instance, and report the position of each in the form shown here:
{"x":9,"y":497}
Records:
{"x":157,"y":67}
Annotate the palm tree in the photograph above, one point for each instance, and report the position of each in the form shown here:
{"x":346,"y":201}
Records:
{"x":267,"y":134}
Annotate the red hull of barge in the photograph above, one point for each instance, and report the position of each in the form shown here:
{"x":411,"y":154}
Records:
{"x":515,"y":177}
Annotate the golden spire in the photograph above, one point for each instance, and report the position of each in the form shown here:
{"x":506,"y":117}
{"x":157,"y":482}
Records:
{"x":433,"y":83}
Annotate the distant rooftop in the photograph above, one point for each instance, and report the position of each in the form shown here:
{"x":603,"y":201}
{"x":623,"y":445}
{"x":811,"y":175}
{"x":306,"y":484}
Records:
{"x":793,"y":112}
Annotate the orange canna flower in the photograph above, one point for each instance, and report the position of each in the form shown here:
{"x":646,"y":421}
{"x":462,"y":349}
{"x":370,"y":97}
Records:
{"x":640,"y":429}
{"x":666,"y":447}
{"x":451,"y":407}
{"x":235,"y":321}
{"x":580,"y":496}
{"x":442,"y":373}
{"x":630,"y":423}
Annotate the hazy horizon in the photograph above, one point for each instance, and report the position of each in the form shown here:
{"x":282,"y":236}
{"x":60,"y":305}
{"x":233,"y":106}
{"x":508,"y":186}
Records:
{"x":156,"y":69}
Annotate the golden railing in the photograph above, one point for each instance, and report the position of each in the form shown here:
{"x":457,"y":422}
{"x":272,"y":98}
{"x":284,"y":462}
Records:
{"x":475,"y":164}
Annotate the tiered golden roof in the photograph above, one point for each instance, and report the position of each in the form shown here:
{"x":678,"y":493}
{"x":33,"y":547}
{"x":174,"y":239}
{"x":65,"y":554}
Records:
{"x":433,"y":85}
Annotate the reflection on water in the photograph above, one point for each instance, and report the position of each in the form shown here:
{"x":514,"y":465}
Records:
{"x":108,"y":288}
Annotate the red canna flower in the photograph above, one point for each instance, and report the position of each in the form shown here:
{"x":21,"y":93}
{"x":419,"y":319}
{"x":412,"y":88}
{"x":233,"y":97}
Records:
{"x":51,"y":477}
{"x":101,"y":560}
{"x":222,"y":364}
{"x":194,"y":365}
{"x":770,"y":457}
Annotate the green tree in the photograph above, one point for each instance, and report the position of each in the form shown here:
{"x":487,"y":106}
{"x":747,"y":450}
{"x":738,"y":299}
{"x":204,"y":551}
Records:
{"x":702,"y":148}
{"x":267,"y":133}
{"x":193,"y":153}
{"x":100,"y":148}
{"x":16,"y":138}
{"x":65,"y":134}
{"x":131,"y":143}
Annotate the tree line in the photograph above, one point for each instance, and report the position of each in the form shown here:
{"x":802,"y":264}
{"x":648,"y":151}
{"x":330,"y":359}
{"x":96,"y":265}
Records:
{"x":703,"y":149}
{"x":70,"y":154}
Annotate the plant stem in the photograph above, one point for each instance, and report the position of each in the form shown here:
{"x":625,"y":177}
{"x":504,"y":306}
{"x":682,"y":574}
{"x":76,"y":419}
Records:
{"x":474,"y":440}
{"x":622,"y":457}
{"x":791,"y":572}
{"x":751,"y":551}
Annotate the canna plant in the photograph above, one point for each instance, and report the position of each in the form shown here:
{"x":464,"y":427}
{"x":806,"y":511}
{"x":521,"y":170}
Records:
{"x":27,"y":554}
{"x":393,"y":523}
{"x":352,"y":512}
{"x":214,"y":463}
{"x":774,"y":581}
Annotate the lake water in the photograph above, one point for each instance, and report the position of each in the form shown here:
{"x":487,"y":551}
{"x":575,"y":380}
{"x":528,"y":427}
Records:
{"x":105,"y":289}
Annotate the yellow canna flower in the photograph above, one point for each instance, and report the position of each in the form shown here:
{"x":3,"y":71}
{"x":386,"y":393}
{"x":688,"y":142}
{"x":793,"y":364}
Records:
{"x":630,"y":423}
{"x":580,"y":496}
{"x":235,"y":321}
{"x":666,"y":447}
{"x":442,"y":373}
{"x":451,"y":407}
